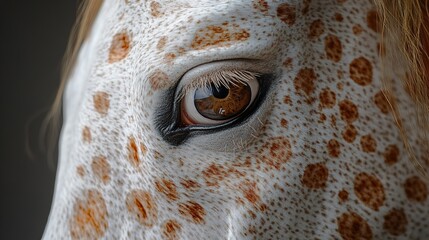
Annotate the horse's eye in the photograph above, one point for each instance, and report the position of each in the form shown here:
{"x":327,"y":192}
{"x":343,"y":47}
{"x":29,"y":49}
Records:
{"x":218,"y":102}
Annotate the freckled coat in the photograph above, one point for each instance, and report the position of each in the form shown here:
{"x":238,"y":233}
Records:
{"x":320,"y":157}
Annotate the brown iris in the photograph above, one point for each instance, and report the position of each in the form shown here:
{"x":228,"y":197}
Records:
{"x":222,"y":103}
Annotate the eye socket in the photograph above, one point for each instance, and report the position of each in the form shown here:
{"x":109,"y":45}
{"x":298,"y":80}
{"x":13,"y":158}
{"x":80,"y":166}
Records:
{"x":216,"y":102}
{"x":227,"y":84}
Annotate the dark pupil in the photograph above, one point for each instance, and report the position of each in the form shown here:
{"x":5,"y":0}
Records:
{"x":219,"y":92}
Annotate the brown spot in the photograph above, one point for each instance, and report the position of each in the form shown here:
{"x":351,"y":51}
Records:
{"x":381,"y":102}
{"x":220,"y":36}
{"x":89,"y":220}
{"x":305,"y":6}
{"x":278,"y":151}
{"x":333,"y":48}
{"x":287,"y":100}
{"x":169,"y":57}
{"x":181,"y":50}
{"x":86,"y":135}
{"x":333,"y":121}
{"x":159,"y":80}
{"x":192,"y":211}
{"x":214,"y":174}
{"x":101,"y":168}
{"x":250,"y":192}
{"x":372,"y":20}
{"x":143,"y":149}
{"x":391,"y":154}
{"x":133,"y":154}
{"x":141,"y":205}
{"x":120,"y":47}
{"x":315,"y":176}
{"x":316,"y":29}
{"x":343,"y":196}
{"x":101,"y":102}
{"x":395,"y":222}
{"x":327,"y":98}
{"x":190,"y":185}
{"x":286,"y":13}
{"x":333,"y":148}
{"x":351,"y":226}
{"x":348,"y":111}
{"x":155,"y":9}
{"x":283,"y":123}
{"x":168,"y":188}
{"x":349,"y":133}
{"x":157,"y":155}
{"x":368,"y":143}
{"x":80,"y":170}
{"x":361,"y":71}
{"x":357,"y":29}
{"x":416,"y":189}
{"x":171,"y":229}
{"x":161,"y":43}
{"x":338,"y":17}
{"x":304,"y":81}
{"x":261,"y":5}
{"x":369,"y":189}
{"x":288,"y":63}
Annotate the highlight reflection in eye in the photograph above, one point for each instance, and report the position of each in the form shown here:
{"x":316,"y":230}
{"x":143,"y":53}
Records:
{"x":218,"y":98}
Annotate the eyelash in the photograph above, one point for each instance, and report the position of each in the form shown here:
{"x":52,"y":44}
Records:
{"x":224,"y":78}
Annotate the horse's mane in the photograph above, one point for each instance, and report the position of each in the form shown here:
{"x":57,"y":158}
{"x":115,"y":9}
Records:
{"x":405,"y":35}
{"x":404,"y":26}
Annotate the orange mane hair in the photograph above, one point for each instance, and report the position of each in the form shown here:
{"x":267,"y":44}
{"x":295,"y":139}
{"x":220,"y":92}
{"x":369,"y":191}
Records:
{"x":405,"y":26}
{"x":86,"y":14}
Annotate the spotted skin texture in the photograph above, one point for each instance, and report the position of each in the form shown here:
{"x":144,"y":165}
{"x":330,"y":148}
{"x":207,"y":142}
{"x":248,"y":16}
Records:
{"x":171,"y":230}
{"x":101,"y":168}
{"x":333,"y":48}
{"x":101,"y":103}
{"x":319,"y":157}
{"x":90,"y":216}
{"x":416,"y":189}
{"x":352,"y":226}
{"x":140,"y":204}
{"x":369,"y":190}
{"x":119,"y":47}
{"x":395,"y":222}
{"x":315,"y":176}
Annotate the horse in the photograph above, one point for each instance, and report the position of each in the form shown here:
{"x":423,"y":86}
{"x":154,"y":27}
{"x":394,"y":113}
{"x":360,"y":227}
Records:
{"x":262,"y":119}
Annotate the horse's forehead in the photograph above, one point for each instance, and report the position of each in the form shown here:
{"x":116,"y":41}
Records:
{"x":166,"y":31}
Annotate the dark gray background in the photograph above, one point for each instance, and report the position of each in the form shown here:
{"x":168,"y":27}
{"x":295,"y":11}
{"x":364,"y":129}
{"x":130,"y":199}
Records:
{"x":33,"y":40}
